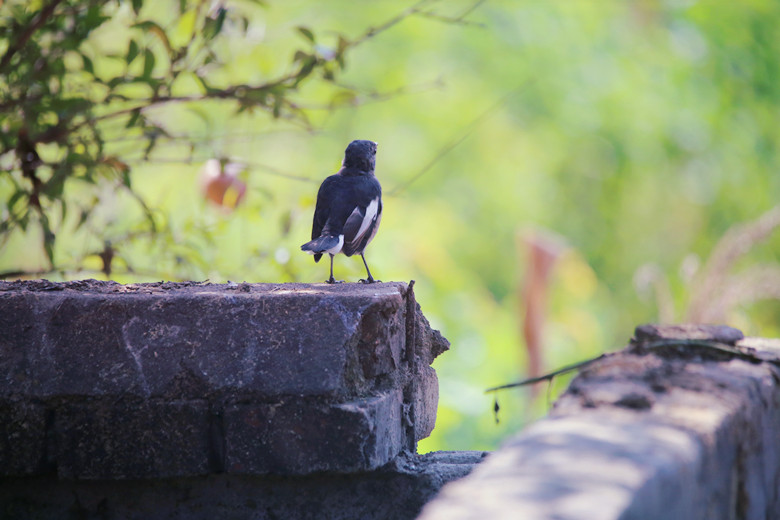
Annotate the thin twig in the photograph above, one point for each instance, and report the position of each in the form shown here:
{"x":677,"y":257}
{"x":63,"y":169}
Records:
{"x":714,"y":345}
{"x":373,"y":31}
{"x":459,"y":19}
{"x":547,"y":377}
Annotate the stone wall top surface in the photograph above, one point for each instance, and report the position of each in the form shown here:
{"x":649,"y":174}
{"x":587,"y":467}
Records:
{"x":94,"y":339}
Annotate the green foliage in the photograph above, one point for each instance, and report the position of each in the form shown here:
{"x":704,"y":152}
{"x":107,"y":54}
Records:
{"x":67,"y":101}
{"x":639,"y":132}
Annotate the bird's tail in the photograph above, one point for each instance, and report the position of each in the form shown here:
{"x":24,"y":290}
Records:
{"x":323,"y":244}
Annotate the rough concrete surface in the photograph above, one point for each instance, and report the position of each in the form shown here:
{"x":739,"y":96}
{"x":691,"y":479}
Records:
{"x":182,"y":341}
{"x":101,"y":380}
{"x":397,"y":491}
{"x":661,"y":430}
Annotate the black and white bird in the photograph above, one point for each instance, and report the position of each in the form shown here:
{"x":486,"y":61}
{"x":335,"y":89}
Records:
{"x":349,"y":208}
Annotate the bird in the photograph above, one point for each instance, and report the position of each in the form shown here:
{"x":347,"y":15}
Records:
{"x":349,"y":208}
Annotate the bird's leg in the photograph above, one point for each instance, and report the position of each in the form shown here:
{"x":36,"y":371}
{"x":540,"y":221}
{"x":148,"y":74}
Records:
{"x":370,"y":278}
{"x":331,"y":279}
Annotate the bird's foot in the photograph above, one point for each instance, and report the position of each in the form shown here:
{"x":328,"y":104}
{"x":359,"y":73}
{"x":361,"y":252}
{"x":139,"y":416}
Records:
{"x":369,"y":280}
{"x":332,"y":280}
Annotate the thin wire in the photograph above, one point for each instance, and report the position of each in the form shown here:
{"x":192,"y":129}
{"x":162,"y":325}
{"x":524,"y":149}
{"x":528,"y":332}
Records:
{"x":466,"y":133}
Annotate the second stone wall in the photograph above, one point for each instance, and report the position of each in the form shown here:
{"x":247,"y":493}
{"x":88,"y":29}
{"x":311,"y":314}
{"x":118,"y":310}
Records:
{"x":682,"y":425}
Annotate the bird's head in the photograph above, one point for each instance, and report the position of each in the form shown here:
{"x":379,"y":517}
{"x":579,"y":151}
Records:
{"x":360,"y":155}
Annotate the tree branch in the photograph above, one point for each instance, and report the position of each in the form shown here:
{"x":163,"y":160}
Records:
{"x":373,"y":31}
{"x":459,"y":19}
{"x":43,"y":16}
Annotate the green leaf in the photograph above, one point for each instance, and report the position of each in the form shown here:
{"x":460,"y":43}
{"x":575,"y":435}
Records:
{"x":15,"y":198}
{"x":93,"y":18}
{"x":83,"y":216}
{"x":210,"y":57}
{"x":306,"y":69}
{"x":134,"y":116}
{"x":48,"y":239}
{"x":54,"y":186}
{"x":306,"y":32}
{"x":152,"y":27}
{"x":300,"y":56}
{"x":88,"y":66}
{"x":24,"y":221}
{"x":205,"y":86}
{"x":148,"y":63}
{"x":344,"y":97}
{"x":132,"y":52}
{"x":213,"y":26}
{"x":203,"y":115}
{"x":185,"y":26}
{"x":137,"y":4}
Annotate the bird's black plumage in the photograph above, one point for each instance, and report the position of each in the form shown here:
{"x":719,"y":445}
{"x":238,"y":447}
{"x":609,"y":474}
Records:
{"x":349,"y":208}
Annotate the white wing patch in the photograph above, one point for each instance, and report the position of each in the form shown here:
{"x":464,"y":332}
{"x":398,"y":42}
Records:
{"x":369,"y":217}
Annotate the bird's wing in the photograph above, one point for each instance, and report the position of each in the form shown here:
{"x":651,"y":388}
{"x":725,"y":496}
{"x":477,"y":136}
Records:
{"x":371,"y":231}
{"x":322,"y":210}
{"x":361,"y":223}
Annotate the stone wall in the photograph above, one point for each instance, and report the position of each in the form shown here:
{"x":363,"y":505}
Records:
{"x":233,"y":401}
{"x":220,"y":399}
{"x":684,"y":424}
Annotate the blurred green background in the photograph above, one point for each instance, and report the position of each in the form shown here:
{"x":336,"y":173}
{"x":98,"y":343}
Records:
{"x":624,"y":138}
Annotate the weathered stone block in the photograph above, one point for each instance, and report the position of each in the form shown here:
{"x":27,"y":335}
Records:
{"x":381,"y":339}
{"x":23,"y":441}
{"x":425,"y":401}
{"x":135,"y":439}
{"x":269,"y":340}
{"x":139,"y":439}
{"x":298,"y":437}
